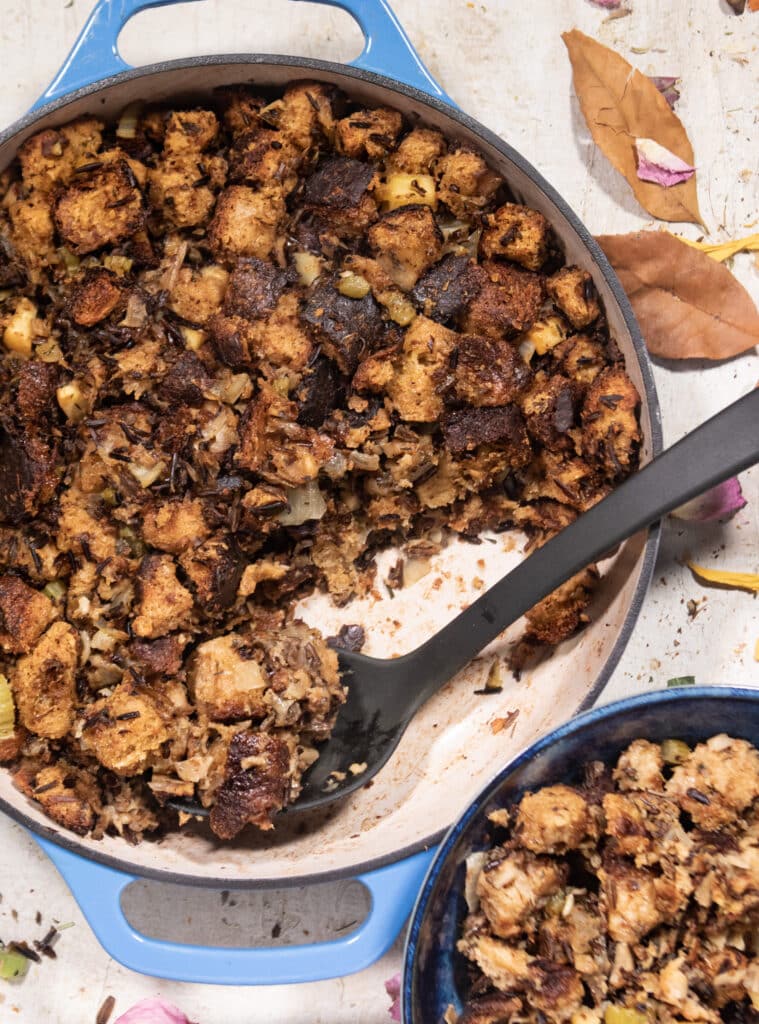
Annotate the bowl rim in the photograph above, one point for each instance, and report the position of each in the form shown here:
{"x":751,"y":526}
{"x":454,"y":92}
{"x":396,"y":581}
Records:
{"x":573,"y":725}
{"x":73,"y":843}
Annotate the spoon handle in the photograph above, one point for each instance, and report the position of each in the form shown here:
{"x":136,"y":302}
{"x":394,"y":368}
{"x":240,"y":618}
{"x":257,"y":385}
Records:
{"x":720,"y":448}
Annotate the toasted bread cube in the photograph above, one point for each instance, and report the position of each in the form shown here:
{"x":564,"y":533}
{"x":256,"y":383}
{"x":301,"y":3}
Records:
{"x":241,"y":107}
{"x":611,"y":433}
{"x":226,"y":682}
{"x":50,"y":157}
{"x":423,"y":364}
{"x":246,"y":222}
{"x":516,"y":233}
{"x":95,"y":298}
{"x":44,"y":682}
{"x":407,"y":241}
{"x":718,"y":781}
{"x":81,"y":530}
{"x":336,"y":193}
{"x":215,"y":569}
{"x":498,"y":427}
{"x":346,"y":328}
{"x":182,"y":187}
{"x":257,"y":780}
{"x":165,"y":605}
{"x":67,"y":794}
{"x":507,"y":302}
{"x":32,"y":232}
{"x":489,"y":371}
{"x":308,"y":112}
{"x":125,"y":731}
{"x":573,"y":291}
{"x":174,"y":525}
{"x":100,"y":208}
{"x":281,"y":340}
{"x":467,"y":184}
{"x":375,"y":372}
{"x":190,"y":130}
{"x":198,"y":294}
{"x":368,"y":133}
{"x":418,"y":151}
{"x":262,"y":156}
{"x":558,"y":616}
{"x":581,"y":358}
{"x":553,"y":820}
{"x":25,"y":614}
{"x":549,"y":409}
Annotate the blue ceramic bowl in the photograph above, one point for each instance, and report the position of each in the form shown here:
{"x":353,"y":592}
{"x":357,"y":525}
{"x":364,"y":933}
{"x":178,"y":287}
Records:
{"x":433,"y":969}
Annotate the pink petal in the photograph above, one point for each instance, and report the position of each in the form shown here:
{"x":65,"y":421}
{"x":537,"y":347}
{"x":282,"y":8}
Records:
{"x":611,"y":5}
{"x":721,"y":502}
{"x":153,"y":1011}
{"x":667,"y":86}
{"x":393,"y":989}
{"x":657,"y":164}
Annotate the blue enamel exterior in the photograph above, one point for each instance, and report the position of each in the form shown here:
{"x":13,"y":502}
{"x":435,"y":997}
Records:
{"x":96,"y":887}
{"x":432,"y":968}
{"x":98,"y":890}
{"x":95,"y":55}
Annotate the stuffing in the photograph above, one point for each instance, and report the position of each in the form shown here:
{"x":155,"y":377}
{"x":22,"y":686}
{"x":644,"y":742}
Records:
{"x":244,"y":349}
{"x":516,"y":233}
{"x":603,"y":896}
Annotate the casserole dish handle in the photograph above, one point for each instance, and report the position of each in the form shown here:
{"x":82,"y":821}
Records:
{"x":98,"y":888}
{"x":95,"y":54}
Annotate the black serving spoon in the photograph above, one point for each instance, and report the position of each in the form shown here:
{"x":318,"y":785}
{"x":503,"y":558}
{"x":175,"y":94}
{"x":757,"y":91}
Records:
{"x":384,"y":694}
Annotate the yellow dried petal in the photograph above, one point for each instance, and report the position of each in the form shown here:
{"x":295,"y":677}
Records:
{"x":721,"y":251}
{"x":739,"y":580}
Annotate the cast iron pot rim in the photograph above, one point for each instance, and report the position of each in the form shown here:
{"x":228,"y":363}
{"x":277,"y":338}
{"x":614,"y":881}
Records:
{"x":573,"y":725}
{"x":74,"y":844}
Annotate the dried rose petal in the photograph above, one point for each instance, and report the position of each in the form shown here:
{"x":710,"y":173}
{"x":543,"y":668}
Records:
{"x":393,"y":989}
{"x":657,"y":164}
{"x":611,"y":5}
{"x":667,"y":86}
{"x":720,"y":502}
{"x":153,"y":1011}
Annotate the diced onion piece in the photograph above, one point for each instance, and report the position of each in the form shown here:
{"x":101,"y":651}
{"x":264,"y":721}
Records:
{"x":106,"y":639}
{"x":218,"y":278}
{"x":55,"y":590}
{"x":136,"y":312}
{"x":403,"y":189}
{"x":72,"y":402}
{"x":475,"y":862}
{"x":49,"y":351}
{"x":119,"y":265}
{"x":193,"y":338}
{"x":675,"y":751}
{"x":353,"y":286}
{"x":527,"y":350}
{"x":399,"y":308}
{"x":306,"y":503}
{"x":7,"y":709}
{"x":236,"y":387}
{"x":127,"y":126}
{"x":546,"y":334}
{"x":415,"y":569}
{"x":309,"y":267}
{"x":12,"y":964}
{"x":622,"y":1015}
{"x":5,"y":293}
{"x":69,"y":260}
{"x":146,"y":475}
{"x":17,"y":336}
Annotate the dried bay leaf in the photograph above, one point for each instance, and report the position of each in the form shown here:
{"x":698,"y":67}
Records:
{"x":688,"y":305}
{"x":621,"y":105}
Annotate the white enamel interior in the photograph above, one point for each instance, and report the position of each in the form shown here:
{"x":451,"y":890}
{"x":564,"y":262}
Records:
{"x":450,"y":750}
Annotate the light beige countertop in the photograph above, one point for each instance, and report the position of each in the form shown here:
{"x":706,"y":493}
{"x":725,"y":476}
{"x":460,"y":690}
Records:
{"x":504,"y":63}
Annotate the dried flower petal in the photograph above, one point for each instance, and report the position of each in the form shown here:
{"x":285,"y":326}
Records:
{"x":739,"y":580}
{"x":657,"y":164}
{"x":393,"y":989}
{"x":667,"y":86}
{"x":720,"y":502}
{"x":153,"y":1011}
{"x":721,"y":251}
{"x":610,"y":5}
